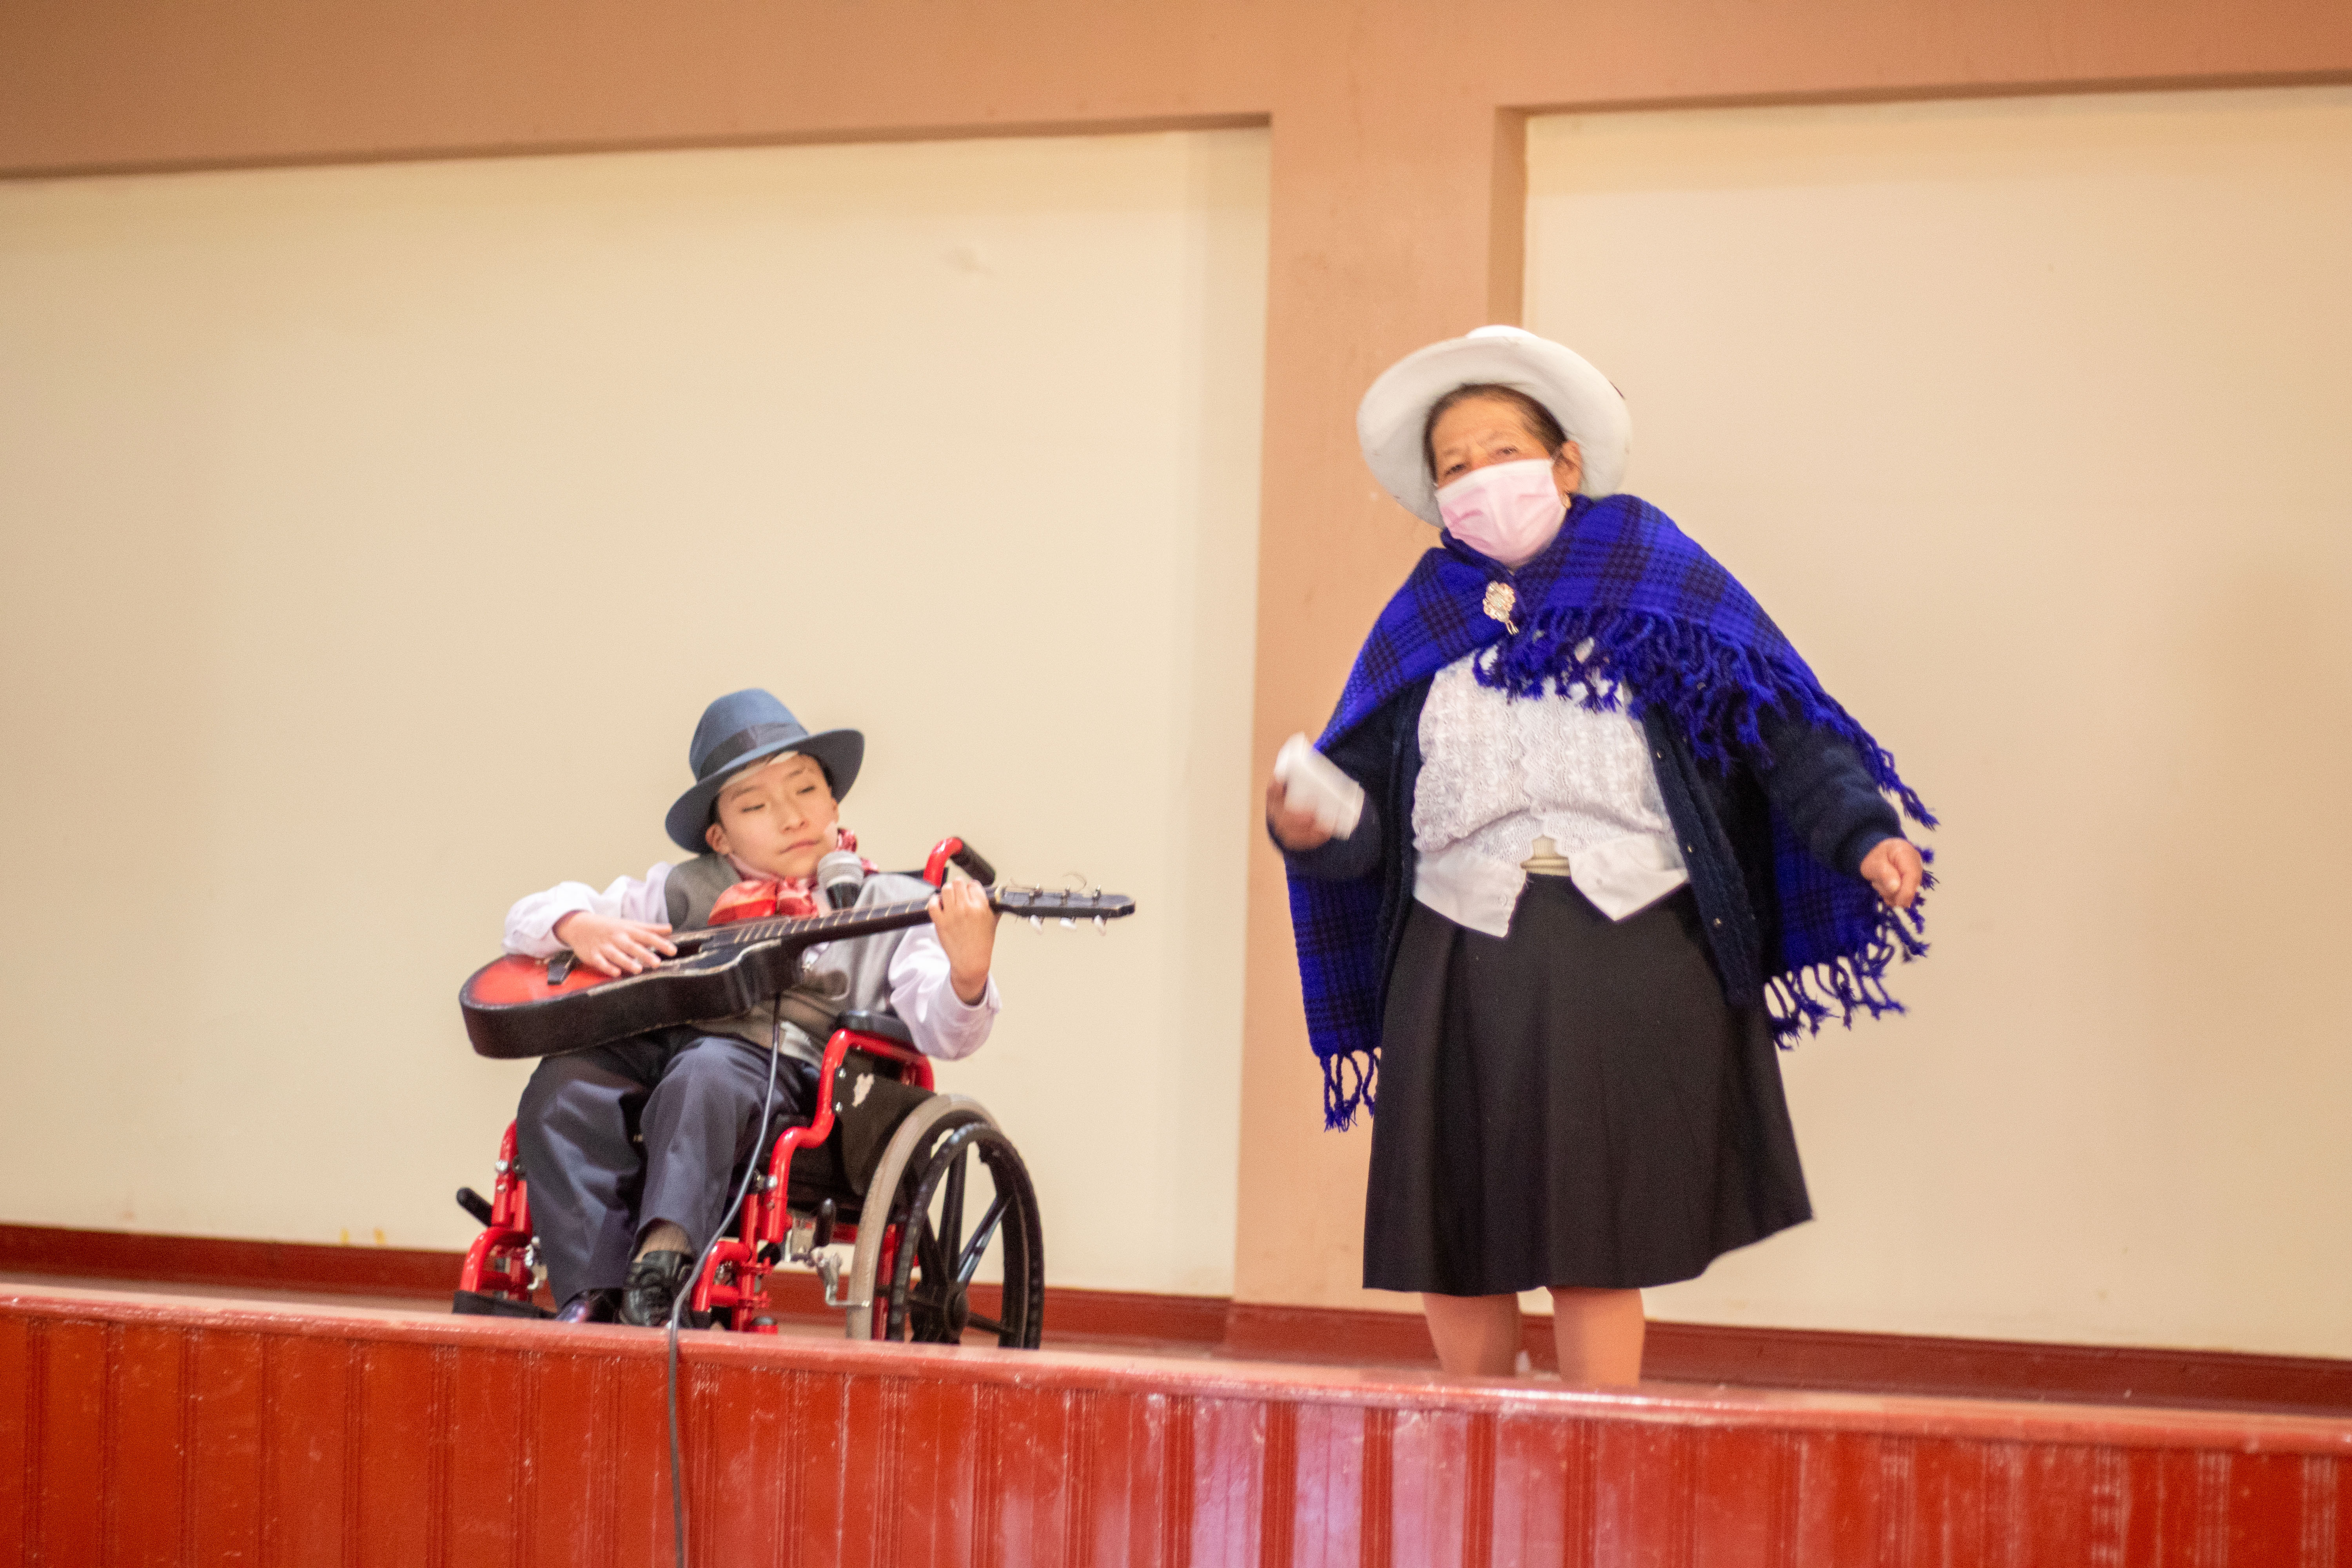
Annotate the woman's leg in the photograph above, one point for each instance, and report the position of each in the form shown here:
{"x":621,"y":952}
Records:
{"x":1599,"y":1333}
{"x":1474,"y":1334}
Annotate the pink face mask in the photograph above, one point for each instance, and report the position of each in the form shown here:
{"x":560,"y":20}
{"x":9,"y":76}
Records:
{"x":1505,"y":511}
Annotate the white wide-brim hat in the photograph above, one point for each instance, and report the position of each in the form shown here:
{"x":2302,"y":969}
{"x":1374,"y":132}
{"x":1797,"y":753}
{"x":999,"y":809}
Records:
{"x":1394,"y":418}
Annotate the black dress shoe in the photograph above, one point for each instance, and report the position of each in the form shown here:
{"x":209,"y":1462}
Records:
{"x":603,"y":1306}
{"x":653,"y":1284}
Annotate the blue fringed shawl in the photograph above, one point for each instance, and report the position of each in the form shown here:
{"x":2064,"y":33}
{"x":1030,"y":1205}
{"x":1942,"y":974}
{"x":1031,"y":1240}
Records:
{"x":1660,"y":616}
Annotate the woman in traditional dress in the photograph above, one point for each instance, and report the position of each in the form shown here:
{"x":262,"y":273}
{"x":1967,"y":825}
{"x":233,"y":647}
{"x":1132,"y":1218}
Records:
{"x":1583,"y":840}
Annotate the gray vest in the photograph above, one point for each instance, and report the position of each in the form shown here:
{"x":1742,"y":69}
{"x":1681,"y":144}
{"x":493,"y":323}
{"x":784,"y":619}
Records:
{"x":838,"y":977}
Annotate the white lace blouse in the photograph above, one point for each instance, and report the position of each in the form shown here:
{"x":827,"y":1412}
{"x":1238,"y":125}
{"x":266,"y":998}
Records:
{"x":1497,"y":773}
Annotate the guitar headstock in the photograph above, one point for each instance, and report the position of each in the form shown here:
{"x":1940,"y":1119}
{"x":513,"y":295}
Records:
{"x":1039,"y":904}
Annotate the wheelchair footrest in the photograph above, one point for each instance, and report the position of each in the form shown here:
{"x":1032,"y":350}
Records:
{"x":482,"y":1304}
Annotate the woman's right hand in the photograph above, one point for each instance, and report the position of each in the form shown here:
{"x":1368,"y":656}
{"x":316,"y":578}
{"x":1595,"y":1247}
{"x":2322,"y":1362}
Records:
{"x":614,"y":947}
{"x":1292,"y":828}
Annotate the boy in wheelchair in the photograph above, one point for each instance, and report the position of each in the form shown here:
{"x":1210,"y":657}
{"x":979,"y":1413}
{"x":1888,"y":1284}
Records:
{"x":619,"y":1225}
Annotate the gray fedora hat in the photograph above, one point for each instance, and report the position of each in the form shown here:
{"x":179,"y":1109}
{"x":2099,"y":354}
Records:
{"x":739,"y":730}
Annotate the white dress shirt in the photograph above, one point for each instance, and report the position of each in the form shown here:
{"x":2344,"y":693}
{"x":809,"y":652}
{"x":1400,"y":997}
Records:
{"x":921,"y":994}
{"x":1499,"y":772}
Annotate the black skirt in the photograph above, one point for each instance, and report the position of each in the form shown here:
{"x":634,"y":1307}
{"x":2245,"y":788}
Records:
{"x":1574,"y":1104}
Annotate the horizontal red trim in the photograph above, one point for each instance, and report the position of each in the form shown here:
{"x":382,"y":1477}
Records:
{"x":1996,"y":1369}
{"x":213,"y":1260}
{"x":1193,"y":1320}
{"x":1274,"y":1333}
{"x":1677,"y":1352}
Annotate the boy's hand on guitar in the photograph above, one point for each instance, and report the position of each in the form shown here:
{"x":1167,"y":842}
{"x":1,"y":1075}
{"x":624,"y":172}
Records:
{"x":614,"y":947}
{"x":967,"y":929}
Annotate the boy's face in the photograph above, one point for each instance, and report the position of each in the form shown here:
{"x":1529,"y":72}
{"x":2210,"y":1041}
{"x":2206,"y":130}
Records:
{"x":778,"y":819}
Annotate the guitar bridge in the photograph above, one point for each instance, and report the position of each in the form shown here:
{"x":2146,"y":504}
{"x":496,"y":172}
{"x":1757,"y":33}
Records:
{"x":559,"y":967}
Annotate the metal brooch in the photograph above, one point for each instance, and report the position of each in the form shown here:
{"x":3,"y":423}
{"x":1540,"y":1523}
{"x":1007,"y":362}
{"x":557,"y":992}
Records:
{"x":1501,"y":600}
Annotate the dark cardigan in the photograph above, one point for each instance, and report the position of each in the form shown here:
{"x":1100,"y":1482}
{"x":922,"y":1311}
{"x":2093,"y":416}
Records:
{"x":1814,"y":779}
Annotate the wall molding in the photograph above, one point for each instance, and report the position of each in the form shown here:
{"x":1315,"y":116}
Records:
{"x":1832,"y":1360}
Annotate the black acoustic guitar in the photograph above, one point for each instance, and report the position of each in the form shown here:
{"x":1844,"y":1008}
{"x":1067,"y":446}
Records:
{"x":543,"y":1007}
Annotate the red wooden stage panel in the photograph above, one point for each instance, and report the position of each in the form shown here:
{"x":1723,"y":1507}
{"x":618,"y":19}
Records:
{"x":151,"y":1429}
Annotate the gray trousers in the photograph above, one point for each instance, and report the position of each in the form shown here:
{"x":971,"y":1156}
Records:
{"x":696,"y":1100}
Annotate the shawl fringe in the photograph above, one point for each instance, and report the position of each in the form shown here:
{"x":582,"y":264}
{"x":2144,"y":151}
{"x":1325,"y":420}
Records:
{"x":1350,"y":1083}
{"x":1715,"y":690}
{"x":1803,"y":998}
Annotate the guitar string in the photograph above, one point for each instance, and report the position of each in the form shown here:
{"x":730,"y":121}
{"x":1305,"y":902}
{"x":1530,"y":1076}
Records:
{"x":1066,"y":904}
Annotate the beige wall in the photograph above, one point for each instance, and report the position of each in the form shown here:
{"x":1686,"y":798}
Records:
{"x":2027,"y":420}
{"x":1954,"y":387}
{"x":375,"y":534}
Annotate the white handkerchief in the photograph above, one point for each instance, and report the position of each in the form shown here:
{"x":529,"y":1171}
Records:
{"x":1314,"y":784}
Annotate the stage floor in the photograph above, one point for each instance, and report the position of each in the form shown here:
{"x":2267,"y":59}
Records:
{"x":218,"y":1427}
{"x":797,"y":1325}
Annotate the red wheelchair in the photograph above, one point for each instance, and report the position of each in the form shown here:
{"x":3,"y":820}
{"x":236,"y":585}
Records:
{"x":886,"y":1166}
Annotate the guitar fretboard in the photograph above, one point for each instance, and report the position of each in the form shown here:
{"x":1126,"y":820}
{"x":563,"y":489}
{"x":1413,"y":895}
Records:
{"x":864,"y":919}
{"x":854,"y":922}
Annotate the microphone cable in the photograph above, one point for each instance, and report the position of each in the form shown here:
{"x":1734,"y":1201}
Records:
{"x":685,"y":1296}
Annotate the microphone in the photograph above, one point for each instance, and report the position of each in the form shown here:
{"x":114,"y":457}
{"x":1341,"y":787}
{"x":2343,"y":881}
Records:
{"x":841,"y":874}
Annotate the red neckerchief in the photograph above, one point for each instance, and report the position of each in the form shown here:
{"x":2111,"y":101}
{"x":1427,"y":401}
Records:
{"x":758,"y":898}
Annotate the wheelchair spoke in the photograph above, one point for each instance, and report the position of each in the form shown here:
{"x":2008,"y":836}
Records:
{"x":951,"y":1232}
{"x":979,"y":1239}
{"x":991,"y":1324}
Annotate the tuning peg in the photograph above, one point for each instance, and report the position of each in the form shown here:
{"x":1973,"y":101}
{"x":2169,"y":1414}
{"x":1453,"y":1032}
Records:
{"x":1102,"y":928}
{"x":1036,"y":923}
{"x":1068,"y":924}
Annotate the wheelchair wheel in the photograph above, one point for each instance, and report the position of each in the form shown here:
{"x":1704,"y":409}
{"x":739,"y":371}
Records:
{"x":938,"y":1253}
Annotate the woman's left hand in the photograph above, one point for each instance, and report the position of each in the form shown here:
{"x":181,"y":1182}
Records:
{"x":967,"y":929}
{"x":1893,"y":867}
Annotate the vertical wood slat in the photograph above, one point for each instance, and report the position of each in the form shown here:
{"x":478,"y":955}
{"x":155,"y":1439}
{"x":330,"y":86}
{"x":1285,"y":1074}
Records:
{"x":146,"y":1441}
{"x":637,"y":1482}
{"x":1428,"y":1476}
{"x":307,"y":1423}
{"x":1031,"y":1523}
{"x":1378,"y":1537}
{"x":1539,"y":1482}
{"x":225,"y":1438}
{"x":568,"y":1437}
{"x":1642,"y":1496}
{"x":1228,"y":1506}
{"x":1947,"y":1493}
{"x":20,"y":1468}
{"x":737,"y":1461}
{"x":2265,"y":1508}
{"x":1740,"y":1484}
{"x":2326,"y":1541}
{"x":1278,"y":1487}
{"x":395,"y":1422}
{"x":69,"y":1519}
{"x":933,"y":1476}
{"x":1114,"y":1517}
{"x":1328,"y":1497}
{"x":488,"y":1496}
{"x":148,"y":1424}
{"x":1171,"y":1418}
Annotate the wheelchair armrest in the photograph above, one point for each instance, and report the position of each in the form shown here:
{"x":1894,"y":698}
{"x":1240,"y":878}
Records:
{"x":880,"y":1036}
{"x":882,"y":1025}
